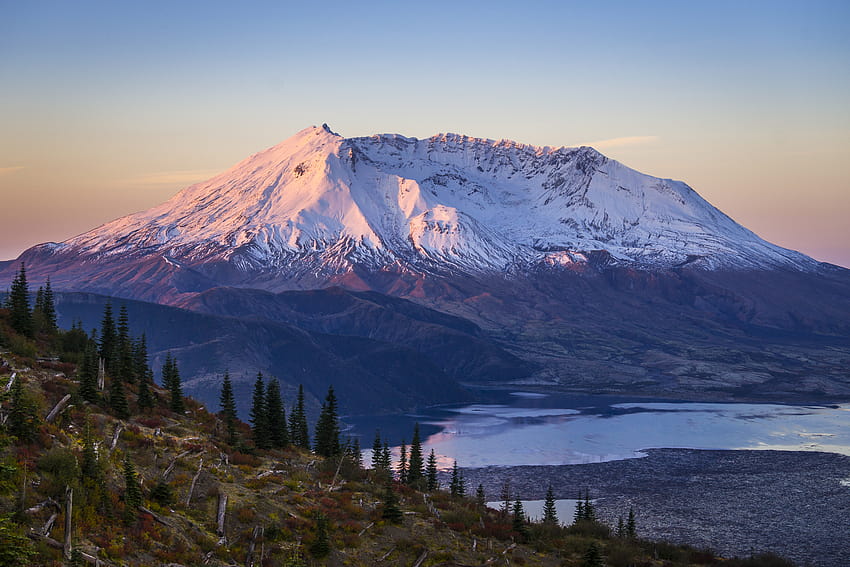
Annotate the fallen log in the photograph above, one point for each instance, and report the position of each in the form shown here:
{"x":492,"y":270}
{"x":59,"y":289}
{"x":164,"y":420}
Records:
{"x":194,"y":480}
{"x":60,"y":405}
{"x":157,"y":518}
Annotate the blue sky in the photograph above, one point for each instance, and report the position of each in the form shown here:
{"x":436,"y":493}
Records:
{"x":111,"y":107}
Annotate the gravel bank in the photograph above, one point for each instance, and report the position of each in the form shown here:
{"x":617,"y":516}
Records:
{"x":736,"y":502}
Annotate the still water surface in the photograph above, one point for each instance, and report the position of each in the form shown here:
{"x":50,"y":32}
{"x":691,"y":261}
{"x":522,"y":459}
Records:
{"x":536,"y":429}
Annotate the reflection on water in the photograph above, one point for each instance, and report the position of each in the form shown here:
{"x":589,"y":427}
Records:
{"x":552,"y":430}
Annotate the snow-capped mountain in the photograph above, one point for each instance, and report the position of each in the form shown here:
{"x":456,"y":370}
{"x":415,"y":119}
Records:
{"x":319,"y":203}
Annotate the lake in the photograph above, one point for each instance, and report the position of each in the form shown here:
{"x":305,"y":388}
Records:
{"x":536,"y":429}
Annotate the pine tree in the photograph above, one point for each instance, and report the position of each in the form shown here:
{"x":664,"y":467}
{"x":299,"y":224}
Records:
{"x":631,"y":529}
{"x":143,"y":373}
{"x":505,"y":496}
{"x":454,"y":485}
{"x":132,"y":490}
{"x":276,"y":415}
{"x":118,"y":399}
{"x":327,"y":428}
{"x":589,"y":509}
{"x":550,"y":514}
{"x":461,"y":487}
{"x":259,"y":415}
{"x":124,"y":348}
{"x":391,"y":510}
{"x":48,"y":309}
{"x":90,"y":466}
{"x":431,"y":472}
{"x":18,"y":302}
{"x":175,"y":386}
{"x":386,"y":458}
{"x":357,"y":454}
{"x":376,"y":451}
{"x":228,"y":408}
{"x":416,"y":463}
{"x":480,"y":498}
{"x":402,"y":463}
{"x":519,"y":526}
{"x":593,"y":556}
{"x":298,"y":433}
{"x":108,"y":339}
{"x":23,"y":420}
{"x":321,"y":545}
{"x":579,"y":513}
{"x":621,"y":528}
{"x":87,"y":374}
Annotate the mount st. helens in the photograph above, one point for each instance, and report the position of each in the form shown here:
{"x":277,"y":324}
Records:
{"x":577,"y":271}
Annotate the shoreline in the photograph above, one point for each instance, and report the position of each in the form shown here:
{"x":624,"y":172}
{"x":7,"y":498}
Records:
{"x":737,"y":502}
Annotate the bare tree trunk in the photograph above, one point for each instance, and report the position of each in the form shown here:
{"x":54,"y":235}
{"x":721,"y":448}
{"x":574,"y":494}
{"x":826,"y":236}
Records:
{"x":48,"y":525}
{"x":173,"y":462}
{"x":421,"y":559}
{"x":101,"y":374}
{"x":11,"y":381}
{"x":194,"y":480}
{"x":156,"y":516}
{"x":69,"y":510}
{"x":115,"y":435}
{"x":257,"y":533}
{"x":58,"y":408}
{"x":222,"y":510}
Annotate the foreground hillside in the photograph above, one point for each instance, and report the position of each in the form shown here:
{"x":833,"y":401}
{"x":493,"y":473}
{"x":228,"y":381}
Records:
{"x":161,"y":487}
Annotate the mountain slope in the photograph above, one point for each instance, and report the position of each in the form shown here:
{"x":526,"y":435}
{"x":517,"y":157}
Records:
{"x":319,"y":205}
{"x":552,"y":267}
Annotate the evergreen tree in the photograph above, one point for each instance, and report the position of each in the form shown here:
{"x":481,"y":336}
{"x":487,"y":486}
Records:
{"x":143,"y":373}
{"x":505,"y":496}
{"x":90,"y":466}
{"x":228,"y":408}
{"x":108,"y":338}
{"x":15,"y":547}
{"x":87,"y":374}
{"x":276,"y":415}
{"x":48,"y":309}
{"x":550,"y":514}
{"x":132,"y":490}
{"x":260,"y":415}
{"x":321,"y":545}
{"x":118,"y":399}
{"x":402,"y":463}
{"x":461,"y":487}
{"x":376,"y":451}
{"x":175,"y":387}
{"x":519,"y":526}
{"x":631,"y":529}
{"x":23,"y":420}
{"x":18,"y":302}
{"x":454,"y":485}
{"x":357,"y":456}
{"x":327,"y":428}
{"x":124,"y":348}
{"x":431,"y":472}
{"x":579,"y":513}
{"x":391,"y":510}
{"x":386,"y":458}
{"x":480,"y":498}
{"x":593,"y":556}
{"x":298,"y":433}
{"x":589,"y":508}
{"x":416,"y":463}
{"x":621,"y":528}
